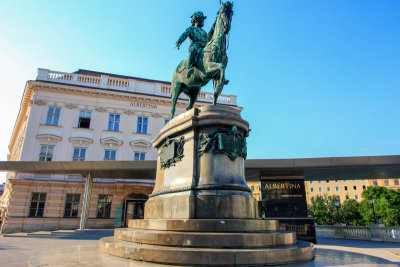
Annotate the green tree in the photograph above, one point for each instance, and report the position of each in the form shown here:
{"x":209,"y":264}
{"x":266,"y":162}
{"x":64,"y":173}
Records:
{"x":350,"y":214}
{"x":323,"y":209}
{"x":386,"y":206}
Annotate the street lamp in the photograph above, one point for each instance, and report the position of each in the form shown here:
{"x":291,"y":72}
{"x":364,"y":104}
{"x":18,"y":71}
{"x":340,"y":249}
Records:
{"x":372,"y":201}
{"x":337,"y":204}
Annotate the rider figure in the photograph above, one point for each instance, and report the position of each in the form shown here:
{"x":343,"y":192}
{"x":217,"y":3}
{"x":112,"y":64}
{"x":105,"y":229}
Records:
{"x":198,"y":40}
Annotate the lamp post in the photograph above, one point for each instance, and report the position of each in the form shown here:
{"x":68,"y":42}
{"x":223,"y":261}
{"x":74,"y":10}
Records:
{"x":337,"y":204}
{"x":372,"y":201}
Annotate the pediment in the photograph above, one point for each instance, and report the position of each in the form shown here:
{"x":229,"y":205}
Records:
{"x":140,"y":144}
{"x":111,"y":142}
{"x":48,"y":138}
{"x":81,"y":141}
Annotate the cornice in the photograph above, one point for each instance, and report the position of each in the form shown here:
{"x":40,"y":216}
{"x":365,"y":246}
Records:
{"x":105,"y":93}
{"x":25,"y":105}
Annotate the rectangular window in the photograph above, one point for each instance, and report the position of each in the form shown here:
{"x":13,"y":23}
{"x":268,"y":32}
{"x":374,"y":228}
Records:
{"x":364,"y":187}
{"x":72,"y":205}
{"x":337,"y":188}
{"x":312,"y":189}
{"x":139,"y":156}
{"x":142,"y":123}
{"x":46,"y":153}
{"x":375,"y":183}
{"x":311,"y":182}
{"x":313,"y":198}
{"x":113,"y":122}
{"x":319,"y":182}
{"x":104,"y":206}
{"x":53,"y":115}
{"x":79,"y":154}
{"x":166,"y":121}
{"x":38,"y":201}
{"x":320,"y":189}
{"x":386,"y":182}
{"x":345,"y":188}
{"x":329,"y":189}
{"x":327,"y":181}
{"x":347,"y":197}
{"x":396,"y":182}
{"x":110,"y":154}
{"x":354,"y":187}
{"x":356,"y":197}
{"x":84,"y":119}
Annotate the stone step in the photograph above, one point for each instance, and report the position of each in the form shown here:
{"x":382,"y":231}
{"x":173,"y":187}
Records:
{"x":206,"y":239}
{"x":303,"y":251}
{"x":206,"y":225}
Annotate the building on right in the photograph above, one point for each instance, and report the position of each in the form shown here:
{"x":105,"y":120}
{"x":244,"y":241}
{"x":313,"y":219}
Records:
{"x":346,"y":189}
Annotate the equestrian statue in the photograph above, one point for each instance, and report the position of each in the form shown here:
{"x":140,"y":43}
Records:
{"x":207,"y":57}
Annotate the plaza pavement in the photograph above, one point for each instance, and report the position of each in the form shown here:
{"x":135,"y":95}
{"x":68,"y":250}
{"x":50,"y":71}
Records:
{"x":16,"y":249}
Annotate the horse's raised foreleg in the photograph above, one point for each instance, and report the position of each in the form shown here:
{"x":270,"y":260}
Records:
{"x":176,"y":90}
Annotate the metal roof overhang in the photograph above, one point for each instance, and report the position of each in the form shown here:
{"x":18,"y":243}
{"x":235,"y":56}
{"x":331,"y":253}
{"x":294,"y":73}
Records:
{"x":97,"y":169}
{"x":339,"y":168}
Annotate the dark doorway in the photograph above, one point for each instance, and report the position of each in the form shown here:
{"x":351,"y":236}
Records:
{"x":134,"y":207}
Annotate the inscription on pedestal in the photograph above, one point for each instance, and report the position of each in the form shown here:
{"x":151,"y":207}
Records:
{"x":171,"y":152}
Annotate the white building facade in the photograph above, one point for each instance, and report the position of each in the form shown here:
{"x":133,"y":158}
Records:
{"x":85,"y":116}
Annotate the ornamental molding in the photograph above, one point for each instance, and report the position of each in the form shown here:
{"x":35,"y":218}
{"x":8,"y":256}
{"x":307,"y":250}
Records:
{"x":129,"y":112}
{"x":141,"y":144}
{"x":100,"y":109}
{"x":48,"y":138}
{"x":39,"y":102}
{"x":71,"y":106}
{"x":81,"y":141}
{"x":111,"y":142}
{"x":156,"y":115}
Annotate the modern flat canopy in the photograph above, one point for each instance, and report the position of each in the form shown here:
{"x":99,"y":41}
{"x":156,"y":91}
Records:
{"x":375,"y":167}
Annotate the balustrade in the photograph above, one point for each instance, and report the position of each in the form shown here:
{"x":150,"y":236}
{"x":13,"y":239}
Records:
{"x":109,"y":82}
{"x":372,"y":232}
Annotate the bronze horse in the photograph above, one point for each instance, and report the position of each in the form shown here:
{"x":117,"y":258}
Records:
{"x":212,"y":66}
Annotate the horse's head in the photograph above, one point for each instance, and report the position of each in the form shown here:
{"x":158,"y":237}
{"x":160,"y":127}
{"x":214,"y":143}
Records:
{"x":225,"y":14}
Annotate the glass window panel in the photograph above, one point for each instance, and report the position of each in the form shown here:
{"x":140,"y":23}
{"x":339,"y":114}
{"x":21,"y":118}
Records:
{"x":35,"y":196}
{"x":145,"y":120}
{"x":144,"y":129}
{"x":32,"y":212}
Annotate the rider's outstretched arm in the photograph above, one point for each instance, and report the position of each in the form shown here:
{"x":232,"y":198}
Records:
{"x":183,"y":37}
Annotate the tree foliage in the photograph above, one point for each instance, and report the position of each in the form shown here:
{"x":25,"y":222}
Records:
{"x":350,"y":212}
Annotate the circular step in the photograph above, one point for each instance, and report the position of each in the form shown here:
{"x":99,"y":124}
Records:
{"x":206,"y":239}
{"x":302,"y":251}
{"x":206,"y":225}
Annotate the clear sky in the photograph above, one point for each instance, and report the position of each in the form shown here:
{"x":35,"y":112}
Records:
{"x":314,"y":78}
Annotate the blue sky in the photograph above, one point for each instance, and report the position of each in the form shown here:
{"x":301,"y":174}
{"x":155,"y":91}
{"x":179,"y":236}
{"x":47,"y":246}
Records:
{"x":314,"y":78}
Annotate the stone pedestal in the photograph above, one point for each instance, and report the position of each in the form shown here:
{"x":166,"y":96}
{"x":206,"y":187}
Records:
{"x":192,"y":183}
{"x":201,"y":211}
